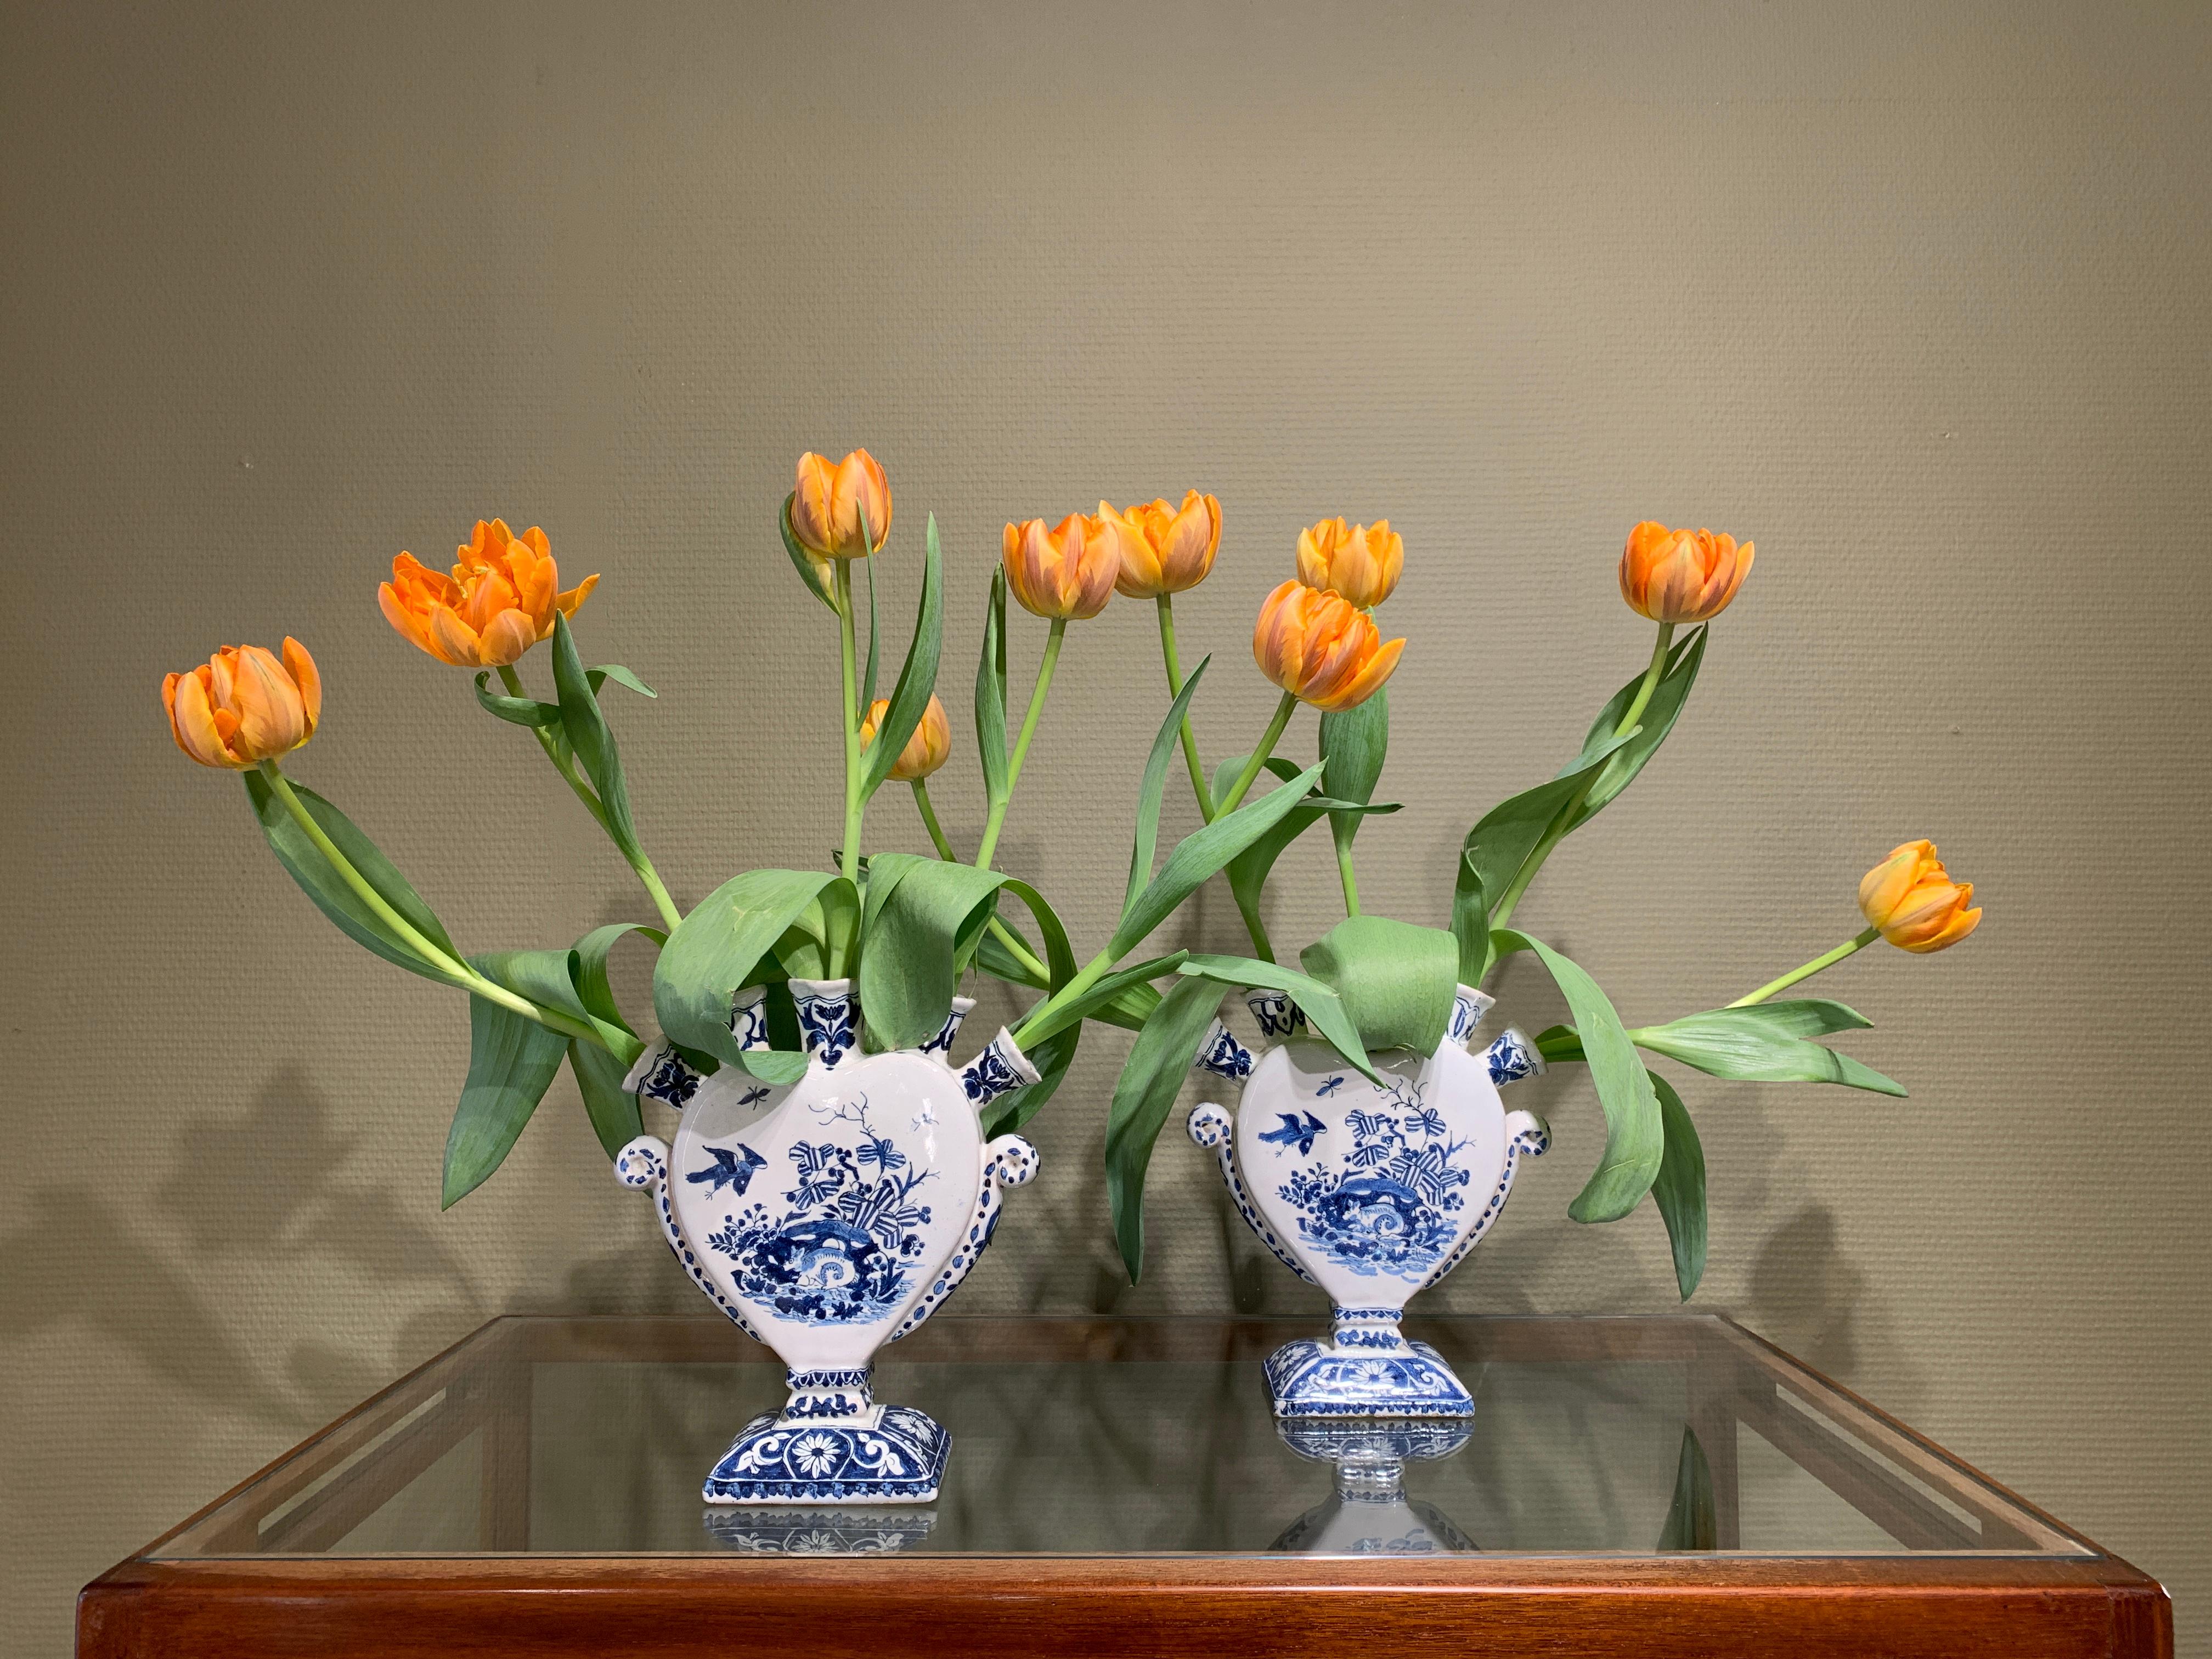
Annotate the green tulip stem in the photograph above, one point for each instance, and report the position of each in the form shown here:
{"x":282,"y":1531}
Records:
{"x":1038,"y":1018}
{"x":566,"y":766}
{"x":1825,"y":959}
{"x":929,"y":822}
{"x":849,"y":681}
{"x":997,"y":820}
{"x":1174,"y":689}
{"x":1344,"y":871}
{"x":1556,"y":832}
{"x":432,"y":954}
{"x":1273,"y":735}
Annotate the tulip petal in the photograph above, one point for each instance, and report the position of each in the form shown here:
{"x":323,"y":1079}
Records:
{"x":414,"y":626}
{"x":571,"y":601}
{"x":272,"y":717}
{"x":1961,"y":923}
{"x":305,"y":675}
{"x":453,"y":640}
{"x":1378,"y":668}
{"x":1888,"y":882}
{"x":193,"y":724}
{"x":508,"y":635}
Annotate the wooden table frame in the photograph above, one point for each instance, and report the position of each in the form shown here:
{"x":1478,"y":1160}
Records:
{"x":1963,"y":1590}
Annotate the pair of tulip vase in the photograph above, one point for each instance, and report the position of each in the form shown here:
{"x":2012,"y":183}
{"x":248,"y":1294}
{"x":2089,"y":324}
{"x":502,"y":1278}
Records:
{"x":833,"y":1215}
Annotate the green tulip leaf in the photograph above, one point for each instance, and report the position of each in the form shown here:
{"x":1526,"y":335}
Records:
{"x":1198,"y":856}
{"x":593,"y":743}
{"x":917,"y":680}
{"x":1144,"y":1095}
{"x":1679,"y":1189}
{"x":1470,"y":922}
{"x":1396,"y":981}
{"x":1354,"y":742}
{"x":718,"y":950}
{"x":548,"y":978}
{"x":917,"y":912}
{"x":1108,"y":990}
{"x":1249,"y":869}
{"x":1766,"y":1042}
{"x":991,"y":693}
{"x":304,"y":861}
{"x":1504,"y":839}
{"x":1324,"y":1010}
{"x":515,"y":711}
{"x":801,"y":560}
{"x":1635,"y":1137}
{"x":512,"y":1062}
{"x":875,"y":639}
{"x":612,"y":1108}
{"x":1656,"y":720}
{"x":1154,"y":785}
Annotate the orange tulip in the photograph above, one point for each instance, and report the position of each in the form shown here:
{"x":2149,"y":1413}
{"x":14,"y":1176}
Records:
{"x":1362,"y":563}
{"x":1320,"y":648}
{"x":841,"y":512}
{"x":1680,"y":575}
{"x":1913,"y":900}
{"x":242,"y":707}
{"x":499,"y":602}
{"x":1168,"y":549}
{"x":925,"y":751}
{"x":1065,"y":572}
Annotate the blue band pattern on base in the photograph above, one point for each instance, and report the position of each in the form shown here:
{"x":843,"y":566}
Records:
{"x":1307,"y":1378}
{"x":898,"y":1458}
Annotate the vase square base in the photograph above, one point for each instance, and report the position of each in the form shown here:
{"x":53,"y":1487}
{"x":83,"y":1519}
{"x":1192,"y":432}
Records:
{"x":1314,"y":1379}
{"x":898,"y":1458}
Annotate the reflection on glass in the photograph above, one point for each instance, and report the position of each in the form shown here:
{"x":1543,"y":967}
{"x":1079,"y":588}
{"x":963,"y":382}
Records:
{"x":1369,"y":1513}
{"x":843,"y":1529}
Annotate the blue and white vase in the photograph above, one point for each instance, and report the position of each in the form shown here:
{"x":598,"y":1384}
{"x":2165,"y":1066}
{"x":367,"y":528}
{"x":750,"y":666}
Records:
{"x":827,"y":1217}
{"x":1371,"y":1192}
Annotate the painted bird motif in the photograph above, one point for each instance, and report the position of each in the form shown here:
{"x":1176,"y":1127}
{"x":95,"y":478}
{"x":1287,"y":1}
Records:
{"x":1295,"y":1133}
{"x":727,"y":1171}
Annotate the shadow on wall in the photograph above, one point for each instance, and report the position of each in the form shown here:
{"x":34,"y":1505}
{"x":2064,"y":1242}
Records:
{"x":276,"y":1191}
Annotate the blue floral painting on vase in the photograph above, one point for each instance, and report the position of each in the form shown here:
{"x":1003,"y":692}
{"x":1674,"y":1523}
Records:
{"x":843,"y":1248}
{"x":1392,"y":1206}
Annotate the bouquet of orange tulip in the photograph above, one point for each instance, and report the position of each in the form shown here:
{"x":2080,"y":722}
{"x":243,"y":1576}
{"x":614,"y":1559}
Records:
{"x":905,"y":929}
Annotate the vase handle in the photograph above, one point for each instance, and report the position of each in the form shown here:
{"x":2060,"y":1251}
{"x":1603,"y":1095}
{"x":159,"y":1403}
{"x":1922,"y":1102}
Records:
{"x":644,"y":1163}
{"x":1211,"y":1126}
{"x":1527,"y":1135}
{"x":1009,"y":1161}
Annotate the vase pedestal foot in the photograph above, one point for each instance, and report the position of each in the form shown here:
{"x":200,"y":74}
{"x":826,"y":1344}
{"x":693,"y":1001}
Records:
{"x":1320,"y":1379}
{"x":886,"y":1454}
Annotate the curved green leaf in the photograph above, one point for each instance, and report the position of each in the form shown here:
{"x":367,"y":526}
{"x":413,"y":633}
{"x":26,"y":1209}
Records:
{"x":588,"y":967}
{"x":1634,"y":1139}
{"x":875,"y":639}
{"x":594,"y":743}
{"x":1144,"y":1095}
{"x":512,"y":1062}
{"x":917,"y":680}
{"x":307,"y":866}
{"x":1656,"y":722}
{"x":991,"y":692}
{"x":1692,"y":1519}
{"x":1146,"y":841}
{"x":1323,"y":1008}
{"x":612,"y":1108}
{"x":515,"y":711}
{"x":717,"y":950}
{"x":801,"y":560}
{"x":621,"y":676}
{"x":1765,"y":1043}
{"x":1679,"y":1189}
{"x":1110,"y":989}
{"x":1396,"y":981}
{"x":1249,"y":869}
{"x":1354,"y":743}
{"x":917,"y":911}
{"x":1200,"y":855}
{"x":1470,"y":922}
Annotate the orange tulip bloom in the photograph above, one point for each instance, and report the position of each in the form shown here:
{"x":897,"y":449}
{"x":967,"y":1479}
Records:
{"x":498,"y":602}
{"x":1320,"y":648}
{"x":1168,"y":549}
{"x":1912,"y":898}
{"x":827,"y":509}
{"x":1065,"y":572}
{"x":1362,"y":563}
{"x":1681,"y":575}
{"x":929,"y":747}
{"x":242,"y":707}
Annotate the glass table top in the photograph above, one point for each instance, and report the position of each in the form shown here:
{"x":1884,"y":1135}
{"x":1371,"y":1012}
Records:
{"x":1100,"y":1437}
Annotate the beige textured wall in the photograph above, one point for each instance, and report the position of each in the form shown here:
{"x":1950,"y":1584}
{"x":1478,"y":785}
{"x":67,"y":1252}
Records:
{"x":1915,"y":296}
